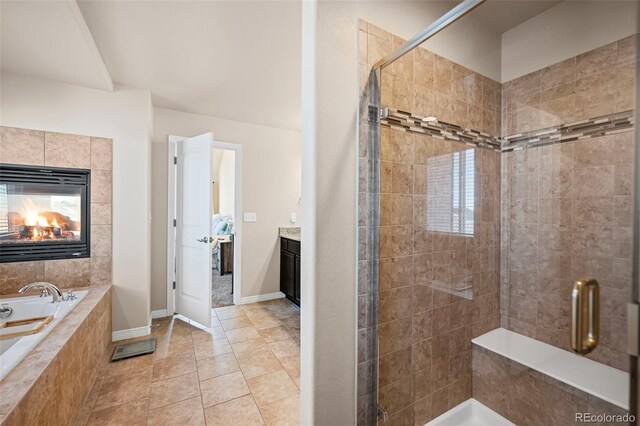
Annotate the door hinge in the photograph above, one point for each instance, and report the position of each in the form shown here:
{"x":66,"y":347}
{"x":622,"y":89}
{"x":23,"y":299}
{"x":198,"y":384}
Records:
{"x":633,"y":325}
{"x":174,"y":223}
{"x":174,"y":285}
{"x":175,"y":160}
{"x":383,"y":416}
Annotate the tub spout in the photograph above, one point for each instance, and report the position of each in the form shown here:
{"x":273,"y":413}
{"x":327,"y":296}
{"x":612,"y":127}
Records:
{"x":46,"y":287}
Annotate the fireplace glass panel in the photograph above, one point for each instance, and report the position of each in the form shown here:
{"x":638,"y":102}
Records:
{"x":44,"y":213}
{"x":31,"y":213}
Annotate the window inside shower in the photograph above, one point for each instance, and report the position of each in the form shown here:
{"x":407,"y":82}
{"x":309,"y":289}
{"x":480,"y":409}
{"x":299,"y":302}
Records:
{"x":451,"y":193}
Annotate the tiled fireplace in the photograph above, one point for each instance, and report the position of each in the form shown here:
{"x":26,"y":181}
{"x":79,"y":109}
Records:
{"x":55,"y":209}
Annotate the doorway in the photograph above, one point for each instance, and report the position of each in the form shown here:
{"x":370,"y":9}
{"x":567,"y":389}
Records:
{"x":222,"y":227}
{"x":201,"y":244}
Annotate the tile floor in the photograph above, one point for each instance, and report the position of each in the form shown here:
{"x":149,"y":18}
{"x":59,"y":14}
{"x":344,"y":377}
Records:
{"x":244,"y":370}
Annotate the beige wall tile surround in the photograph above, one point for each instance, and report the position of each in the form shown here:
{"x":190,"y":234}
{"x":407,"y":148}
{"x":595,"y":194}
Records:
{"x":564,"y":218}
{"x":51,"y":384}
{"x":527,"y":397}
{"x":566,"y":208}
{"x":427,"y":84}
{"x":23,"y":146}
{"x":426,"y":317}
{"x":593,"y":84}
{"x":544,"y":217}
{"x":64,"y":150}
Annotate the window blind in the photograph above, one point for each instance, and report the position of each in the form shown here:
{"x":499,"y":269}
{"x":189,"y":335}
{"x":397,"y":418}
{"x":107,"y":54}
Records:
{"x":451,"y":192}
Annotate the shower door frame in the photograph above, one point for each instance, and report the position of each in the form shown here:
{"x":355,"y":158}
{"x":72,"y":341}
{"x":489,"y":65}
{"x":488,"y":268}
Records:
{"x":371,"y":106}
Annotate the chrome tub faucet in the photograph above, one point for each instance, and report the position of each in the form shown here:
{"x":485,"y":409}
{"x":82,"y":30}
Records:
{"x":47,"y":289}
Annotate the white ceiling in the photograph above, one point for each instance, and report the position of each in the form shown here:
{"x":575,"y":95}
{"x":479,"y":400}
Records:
{"x":502,"y":15}
{"x":239,"y":60}
{"x":236,"y":60}
{"x":50,"y":39}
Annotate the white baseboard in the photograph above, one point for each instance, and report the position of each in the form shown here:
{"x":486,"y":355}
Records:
{"x":160,"y":313}
{"x":130,"y":333}
{"x":261,"y":298}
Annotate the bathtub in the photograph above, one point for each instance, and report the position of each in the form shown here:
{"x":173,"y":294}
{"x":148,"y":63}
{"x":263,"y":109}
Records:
{"x":12,"y":351}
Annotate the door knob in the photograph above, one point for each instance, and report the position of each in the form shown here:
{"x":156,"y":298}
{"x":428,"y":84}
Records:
{"x":203,"y":240}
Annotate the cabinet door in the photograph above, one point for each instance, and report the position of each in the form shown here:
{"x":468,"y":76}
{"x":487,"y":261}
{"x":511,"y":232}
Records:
{"x":296,"y":285}
{"x":287,"y":273}
{"x":226,"y":257}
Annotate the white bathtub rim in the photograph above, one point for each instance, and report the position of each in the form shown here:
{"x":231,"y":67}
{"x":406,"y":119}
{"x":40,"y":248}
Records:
{"x":10,"y":360}
{"x":604,"y":382}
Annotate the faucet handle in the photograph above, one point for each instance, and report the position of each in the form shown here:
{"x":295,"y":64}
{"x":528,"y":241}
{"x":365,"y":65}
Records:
{"x":45,"y":292}
{"x":5,"y":311}
{"x":70,"y":295}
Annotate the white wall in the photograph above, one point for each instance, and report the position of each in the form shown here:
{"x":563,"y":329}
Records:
{"x":271,"y":188}
{"x":564,"y":31}
{"x":123,"y":115}
{"x":226,"y":188}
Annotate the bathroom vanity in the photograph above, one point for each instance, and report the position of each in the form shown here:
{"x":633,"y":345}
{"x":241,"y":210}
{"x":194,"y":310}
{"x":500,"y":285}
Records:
{"x":290,"y":268}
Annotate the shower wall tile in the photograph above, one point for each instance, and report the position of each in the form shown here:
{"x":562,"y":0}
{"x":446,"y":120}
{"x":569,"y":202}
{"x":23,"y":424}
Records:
{"x":428,"y":84}
{"x":593,"y":84}
{"x":543,"y":217}
{"x":572,"y":225}
{"x":436,"y":290}
{"x":566,"y":208}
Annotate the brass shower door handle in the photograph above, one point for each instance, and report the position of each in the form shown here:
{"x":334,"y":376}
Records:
{"x":585,"y":315}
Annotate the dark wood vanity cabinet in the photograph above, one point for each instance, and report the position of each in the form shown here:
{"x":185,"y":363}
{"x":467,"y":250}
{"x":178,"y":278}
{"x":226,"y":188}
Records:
{"x":290,"y":269}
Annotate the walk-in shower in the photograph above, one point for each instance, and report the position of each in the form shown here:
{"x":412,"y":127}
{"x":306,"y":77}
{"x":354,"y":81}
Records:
{"x":496,"y":216}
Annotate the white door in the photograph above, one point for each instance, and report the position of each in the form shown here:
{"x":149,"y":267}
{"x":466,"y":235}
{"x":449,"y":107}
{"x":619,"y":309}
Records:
{"x":193,"y":226}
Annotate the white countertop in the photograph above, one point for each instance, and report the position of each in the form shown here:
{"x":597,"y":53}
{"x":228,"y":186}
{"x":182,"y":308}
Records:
{"x":292,"y":233}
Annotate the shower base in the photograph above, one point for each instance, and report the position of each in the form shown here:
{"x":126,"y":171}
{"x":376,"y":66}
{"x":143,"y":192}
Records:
{"x":470,"y":413}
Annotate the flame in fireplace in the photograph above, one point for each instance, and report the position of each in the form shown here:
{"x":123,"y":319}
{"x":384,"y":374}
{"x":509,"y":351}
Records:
{"x":32,"y":223}
{"x":32,"y":217}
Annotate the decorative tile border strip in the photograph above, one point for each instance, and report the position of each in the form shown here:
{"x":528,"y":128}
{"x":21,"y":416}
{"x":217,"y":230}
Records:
{"x":584,"y":129}
{"x":407,"y":122}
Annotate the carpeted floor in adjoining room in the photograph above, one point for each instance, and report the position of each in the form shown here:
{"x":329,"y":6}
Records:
{"x":221,"y":290}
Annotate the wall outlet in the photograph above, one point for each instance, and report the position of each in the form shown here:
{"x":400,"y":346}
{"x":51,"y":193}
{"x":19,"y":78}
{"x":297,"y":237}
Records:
{"x":250,"y":217}
{"x":293,"y":217}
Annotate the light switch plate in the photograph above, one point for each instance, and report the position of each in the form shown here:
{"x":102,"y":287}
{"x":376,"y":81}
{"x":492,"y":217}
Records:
{"x":293,"y":217}
{"x":250,"y":217}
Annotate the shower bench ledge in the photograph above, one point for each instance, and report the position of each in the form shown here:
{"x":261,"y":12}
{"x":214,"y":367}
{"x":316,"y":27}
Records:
{"x":602,"y":381}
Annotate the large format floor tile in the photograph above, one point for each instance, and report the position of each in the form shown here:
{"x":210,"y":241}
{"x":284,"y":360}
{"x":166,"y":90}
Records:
{"x":243,"y":370}
{"x":239,"y":411}
{"x":189,"y":412}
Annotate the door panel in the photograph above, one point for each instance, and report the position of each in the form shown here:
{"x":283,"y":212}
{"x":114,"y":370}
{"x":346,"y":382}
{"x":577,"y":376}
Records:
{"x":193,"y":226}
